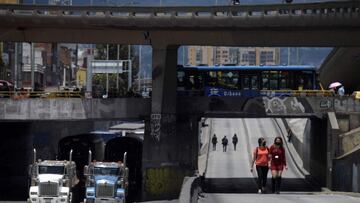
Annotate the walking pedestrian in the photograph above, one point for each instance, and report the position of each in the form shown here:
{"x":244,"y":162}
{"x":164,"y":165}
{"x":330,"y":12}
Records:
{"x":234,"y":141}
{"x":261,"y":160}
{"x":224,"y":142}
{"x":277,"y":163}
{"x":214,"y":142}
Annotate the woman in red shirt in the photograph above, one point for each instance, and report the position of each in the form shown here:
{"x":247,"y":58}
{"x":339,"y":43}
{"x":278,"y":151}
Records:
{"x":278,"y":163}
{"x":261,"y":160}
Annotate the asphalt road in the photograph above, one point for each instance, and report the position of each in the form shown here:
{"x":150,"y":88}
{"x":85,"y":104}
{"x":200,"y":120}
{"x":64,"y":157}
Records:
{"x":229,"y":172}
{"x":282,"y":198}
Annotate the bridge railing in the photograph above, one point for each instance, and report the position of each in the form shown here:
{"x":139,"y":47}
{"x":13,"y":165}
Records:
{"x":337,"y":8}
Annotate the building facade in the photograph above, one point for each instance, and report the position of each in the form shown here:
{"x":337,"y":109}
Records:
{"x":206,"y":55}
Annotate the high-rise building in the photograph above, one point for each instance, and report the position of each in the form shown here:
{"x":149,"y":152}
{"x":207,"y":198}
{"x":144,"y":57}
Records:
{"x":198,"y":55}
{"x":258,"y":56}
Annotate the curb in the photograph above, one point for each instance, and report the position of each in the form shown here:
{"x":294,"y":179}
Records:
{"x":301,"y":170}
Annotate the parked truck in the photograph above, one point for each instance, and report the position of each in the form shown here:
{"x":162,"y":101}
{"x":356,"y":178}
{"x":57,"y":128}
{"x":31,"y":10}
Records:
{"x":51,"y":181}
{"x":106,"y":181}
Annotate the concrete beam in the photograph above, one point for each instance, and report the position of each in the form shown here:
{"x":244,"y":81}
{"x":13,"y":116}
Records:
{"x":315,"y":37}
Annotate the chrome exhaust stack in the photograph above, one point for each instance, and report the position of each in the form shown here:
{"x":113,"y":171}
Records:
{"x":125,"y":157}
{"x":70,"y":155}
{"x":89,"y":160}
{"x":34,"y":154}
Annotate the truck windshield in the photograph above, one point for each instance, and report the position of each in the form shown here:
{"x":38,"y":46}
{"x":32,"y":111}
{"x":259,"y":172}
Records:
{"x":106,"y":171}
{"x":51,"y":169}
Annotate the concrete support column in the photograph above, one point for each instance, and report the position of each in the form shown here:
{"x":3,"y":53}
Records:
{"x":166,"y":145}
{"x":332,"y":146}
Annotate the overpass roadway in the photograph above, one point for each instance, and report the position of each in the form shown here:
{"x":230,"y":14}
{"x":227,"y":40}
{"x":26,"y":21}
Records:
{"x":228,"y":176}
{"x":253,"y":25}
{"x":230,"y":171}
{"x":282,"y":198}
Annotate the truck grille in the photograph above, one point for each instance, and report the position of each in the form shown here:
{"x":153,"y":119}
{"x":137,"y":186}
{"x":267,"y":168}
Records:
{"x":48,"y":189}
{"x":104,"y":190}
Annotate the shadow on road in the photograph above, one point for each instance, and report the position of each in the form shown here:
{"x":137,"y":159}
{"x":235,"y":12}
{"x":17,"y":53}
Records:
{"x":248,"y":185}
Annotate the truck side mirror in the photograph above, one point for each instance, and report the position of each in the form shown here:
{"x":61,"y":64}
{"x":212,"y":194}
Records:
{"x":30,"y":170}
{"x":86,"y":170}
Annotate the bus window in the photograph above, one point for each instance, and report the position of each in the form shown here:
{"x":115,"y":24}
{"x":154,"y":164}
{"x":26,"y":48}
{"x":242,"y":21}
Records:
{"x":180,"y":78}
{"x":250,"y":82}
{"x":305,"y":80}
{"x":283,"y":80}
{"x":228,"y":79}
{"x":265,"y":81}
{"x":246,"y":82}
{"x":254,"y":82}
{"x":211,"y":79}
{"x":273,"y":80}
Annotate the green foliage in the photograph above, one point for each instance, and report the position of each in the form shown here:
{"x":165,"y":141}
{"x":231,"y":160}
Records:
{"x":100,"y":79}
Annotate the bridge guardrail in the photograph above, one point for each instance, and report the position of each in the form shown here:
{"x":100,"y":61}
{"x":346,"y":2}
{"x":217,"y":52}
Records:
{"x":347,"y":7}
{"x":40,"y":94}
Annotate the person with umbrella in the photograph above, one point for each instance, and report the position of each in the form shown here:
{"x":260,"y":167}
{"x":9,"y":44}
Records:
{"x":338,"y":88}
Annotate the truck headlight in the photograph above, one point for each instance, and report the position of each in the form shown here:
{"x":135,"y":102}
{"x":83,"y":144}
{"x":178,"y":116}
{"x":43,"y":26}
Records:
{"x":120,"y":193}
{"x":90,"y":194}
{"x":33,"y":193}
{"x":64,"y":194}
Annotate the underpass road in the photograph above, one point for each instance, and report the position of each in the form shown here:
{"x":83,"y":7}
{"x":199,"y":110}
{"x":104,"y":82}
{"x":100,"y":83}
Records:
{"x":282,"y":198}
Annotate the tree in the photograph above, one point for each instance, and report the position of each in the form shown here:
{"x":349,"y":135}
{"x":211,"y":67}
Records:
{"x":99,"y":80}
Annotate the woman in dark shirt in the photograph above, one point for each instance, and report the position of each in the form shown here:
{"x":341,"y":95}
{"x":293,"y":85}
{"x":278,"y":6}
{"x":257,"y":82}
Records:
{"x":277,"y":163}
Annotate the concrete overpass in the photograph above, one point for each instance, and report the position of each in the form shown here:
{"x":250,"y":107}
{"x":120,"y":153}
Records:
{"x":286,"y":25}
{"x":171,"y":140}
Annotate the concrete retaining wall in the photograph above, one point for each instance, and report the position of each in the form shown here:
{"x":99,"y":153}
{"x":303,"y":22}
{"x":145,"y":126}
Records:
{"x":346,"y":172}
{"x":73,"y":109}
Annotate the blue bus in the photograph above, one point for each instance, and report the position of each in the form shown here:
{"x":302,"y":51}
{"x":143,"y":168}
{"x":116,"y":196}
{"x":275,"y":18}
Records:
{"x":232,"y":80}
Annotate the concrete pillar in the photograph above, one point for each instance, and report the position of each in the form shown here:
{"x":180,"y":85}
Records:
{"x":168,"y":144}
{"x":333,"y":132}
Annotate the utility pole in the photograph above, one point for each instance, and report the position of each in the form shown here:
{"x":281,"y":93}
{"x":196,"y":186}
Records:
{"x":183,"y":58}
{"x":288,"y":63}
{"x":139,"y":75}
{"x":297,"y":56}
{"x":32,"y":65}
{"x":117,"y":74}
{"x":107,"y":74}
{"x":130,"y":68}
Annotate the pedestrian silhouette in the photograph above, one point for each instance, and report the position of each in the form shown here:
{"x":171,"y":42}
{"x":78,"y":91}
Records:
{"x":234,"y":141}
{"x":224,"y":142}
{"x":214,"y":142}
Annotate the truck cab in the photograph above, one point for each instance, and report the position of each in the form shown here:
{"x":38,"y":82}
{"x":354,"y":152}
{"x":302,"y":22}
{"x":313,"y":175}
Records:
{"x":52,"y":180}
{"x":106,"y":181}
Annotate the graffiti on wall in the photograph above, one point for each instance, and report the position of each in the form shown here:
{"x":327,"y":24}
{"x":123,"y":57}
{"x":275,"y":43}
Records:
{"x":155,"y":123}
{"x":285,"y":105}
{"x":162,"y":125}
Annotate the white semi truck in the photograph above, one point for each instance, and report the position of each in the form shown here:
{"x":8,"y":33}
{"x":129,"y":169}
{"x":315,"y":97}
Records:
{"x":52,"y":180}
